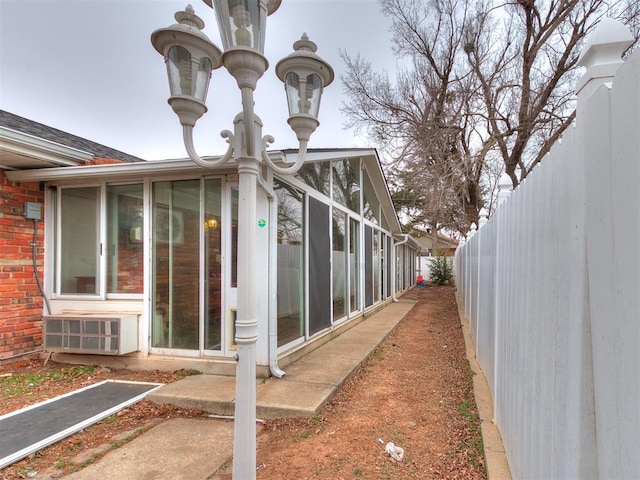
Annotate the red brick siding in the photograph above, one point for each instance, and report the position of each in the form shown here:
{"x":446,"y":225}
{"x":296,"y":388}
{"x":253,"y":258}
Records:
{"x":101,"y":161}
{"x":20,"y":300}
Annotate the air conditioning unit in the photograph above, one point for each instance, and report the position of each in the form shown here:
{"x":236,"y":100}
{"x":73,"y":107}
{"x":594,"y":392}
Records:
{"x":92,"y":333}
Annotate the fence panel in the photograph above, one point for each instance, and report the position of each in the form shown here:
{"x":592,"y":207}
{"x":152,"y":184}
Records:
{"x":485,"y":336}
{"x":551,"y":289}
{"x":614,"y":264}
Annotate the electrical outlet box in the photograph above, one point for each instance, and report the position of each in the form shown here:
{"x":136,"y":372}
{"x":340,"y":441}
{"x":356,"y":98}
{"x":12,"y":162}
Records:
{"x":32,"y":210}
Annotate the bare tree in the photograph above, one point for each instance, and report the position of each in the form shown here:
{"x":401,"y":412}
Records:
{"x":422,"y":120}
{"x":478,"y":85}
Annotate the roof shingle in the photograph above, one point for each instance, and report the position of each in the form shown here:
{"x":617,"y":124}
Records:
{"x":24,"y":125}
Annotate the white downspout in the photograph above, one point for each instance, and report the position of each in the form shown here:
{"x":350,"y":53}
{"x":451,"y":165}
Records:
{"x":273,"y":278}
{"x":393,"y":266}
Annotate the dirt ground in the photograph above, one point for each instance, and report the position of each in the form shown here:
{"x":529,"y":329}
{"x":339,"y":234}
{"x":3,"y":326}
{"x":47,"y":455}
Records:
{"x":415,"y":391}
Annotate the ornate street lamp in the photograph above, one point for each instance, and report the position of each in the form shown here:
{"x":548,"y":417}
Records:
{"x":190,"y":58}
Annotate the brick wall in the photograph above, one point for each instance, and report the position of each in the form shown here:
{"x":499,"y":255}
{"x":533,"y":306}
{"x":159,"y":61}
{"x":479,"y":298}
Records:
{"x":20,"y":299}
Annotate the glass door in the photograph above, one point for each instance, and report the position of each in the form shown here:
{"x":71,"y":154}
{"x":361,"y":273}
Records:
{"x":176,"y":266}
{"x":291,"y":326}
{"x":213,"y":274}
{"x":231,"y":299}
{"x":194,"y":258}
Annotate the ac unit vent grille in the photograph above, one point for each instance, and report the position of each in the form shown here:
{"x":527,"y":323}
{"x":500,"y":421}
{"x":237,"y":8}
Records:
{"x":91,"y":334}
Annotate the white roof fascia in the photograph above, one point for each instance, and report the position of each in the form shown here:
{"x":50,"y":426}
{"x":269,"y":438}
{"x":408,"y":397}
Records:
{"x":118,"y":170}
{"x":41,"y":149}
{"x":115,"y":170}
{"x":320,"y":155}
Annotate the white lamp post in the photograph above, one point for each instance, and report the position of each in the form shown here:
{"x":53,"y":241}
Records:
{"x":191,"y":57}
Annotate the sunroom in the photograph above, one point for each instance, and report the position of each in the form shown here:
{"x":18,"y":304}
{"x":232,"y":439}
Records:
{"x":141,"y":259}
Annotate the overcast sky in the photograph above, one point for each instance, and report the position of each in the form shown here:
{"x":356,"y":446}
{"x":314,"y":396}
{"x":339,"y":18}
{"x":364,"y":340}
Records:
{"x":88,"y":67}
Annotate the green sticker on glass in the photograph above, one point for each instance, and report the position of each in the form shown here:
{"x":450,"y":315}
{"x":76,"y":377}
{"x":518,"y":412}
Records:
{"x":262,"y":222}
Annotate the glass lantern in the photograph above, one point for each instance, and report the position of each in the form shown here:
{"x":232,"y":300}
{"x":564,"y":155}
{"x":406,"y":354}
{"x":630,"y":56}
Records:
{"x":190,"y":58}
{"x":187,"y":75}
{"x":303,"y":94}
{"x":304,"y":75}
{"x":242,"y":23}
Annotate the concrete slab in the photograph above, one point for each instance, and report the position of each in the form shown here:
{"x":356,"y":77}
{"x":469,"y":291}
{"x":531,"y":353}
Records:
{"x":366,"y":337}
{"x":379,"y":327}
{"x":210,"y":393}
{"x":190,"y":449}
{"x":353,"y":351}
{"x":327,"y":369}
{"x":289,"y":398}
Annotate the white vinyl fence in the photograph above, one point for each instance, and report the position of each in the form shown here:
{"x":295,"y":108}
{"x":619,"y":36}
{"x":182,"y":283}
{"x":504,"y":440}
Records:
{"x":551,"y":287}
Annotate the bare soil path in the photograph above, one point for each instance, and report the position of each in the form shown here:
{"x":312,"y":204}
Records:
{"x":416,"y":391}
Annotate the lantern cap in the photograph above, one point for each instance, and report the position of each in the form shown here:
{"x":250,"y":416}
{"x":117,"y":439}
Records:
{"x":188,"y":33}
{"x":305,"y":44}
{"x":304,"y":60}
{"x":188,"y":17}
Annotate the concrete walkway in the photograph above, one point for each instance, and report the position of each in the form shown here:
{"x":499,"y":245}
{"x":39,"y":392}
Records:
{"x":194,"y":449}
{"x":177,"y":449}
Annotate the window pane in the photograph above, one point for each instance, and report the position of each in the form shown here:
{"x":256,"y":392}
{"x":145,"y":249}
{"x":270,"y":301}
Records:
{"x":371,"y":206}
{"x":234,"y":236}
{"x":316,"y":175}
{"x":319,"y":266}
{"x":55,"y":200}
{"x":290,"y":263}
{"x":376,"y":266}
{"x":79,"y":240}
{"x":176,"y":244}
{"x":354,"y":265}
{"x":346,"y":183}
{"x":213,"y":263}
{"x":383,"y":265}
{"x":383,"y":221}
{"x":368,"y":266}
{"x":339,"y":267}
{"x":124,"y":239}
{"x":390,"y":258}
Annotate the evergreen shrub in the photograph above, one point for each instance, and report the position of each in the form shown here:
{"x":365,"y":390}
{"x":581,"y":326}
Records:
{"x":441,"y":270}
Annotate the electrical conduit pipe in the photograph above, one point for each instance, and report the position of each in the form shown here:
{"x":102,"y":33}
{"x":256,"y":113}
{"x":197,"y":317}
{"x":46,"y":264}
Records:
{"x":273,"y":278}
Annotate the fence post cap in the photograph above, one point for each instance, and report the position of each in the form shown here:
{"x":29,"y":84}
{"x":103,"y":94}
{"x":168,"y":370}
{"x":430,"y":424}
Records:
{"x":606,"y":44}
{"x":504,"y":188}
{"x":602,"y":53}
{"x":505,"y":182}
{"x":484,"y":217}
